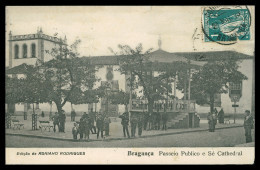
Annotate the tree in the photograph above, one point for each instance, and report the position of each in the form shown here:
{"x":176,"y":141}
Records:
{"x":120,"y":97}
{"x":135,"y":62}
{"x":58,"y":78}
{"x":66,"y":74}
{"x":78,"y":96}
{"x":27,"y":89}
{"x":213,"y":78}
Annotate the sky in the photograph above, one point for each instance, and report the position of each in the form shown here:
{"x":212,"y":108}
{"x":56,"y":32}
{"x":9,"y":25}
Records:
{"x":107,"y":26}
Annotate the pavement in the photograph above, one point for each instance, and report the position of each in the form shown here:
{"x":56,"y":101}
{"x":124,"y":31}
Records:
{"x":116,"y":132}
{"x":251,"y":144}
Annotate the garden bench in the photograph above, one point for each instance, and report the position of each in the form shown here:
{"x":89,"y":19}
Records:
{"x":44,"y":125}
{"x":17,"y":124}
{"x":227,"y":119}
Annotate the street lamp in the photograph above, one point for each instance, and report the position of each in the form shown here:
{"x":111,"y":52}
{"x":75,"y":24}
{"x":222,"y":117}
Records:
{"x":107,"y":92}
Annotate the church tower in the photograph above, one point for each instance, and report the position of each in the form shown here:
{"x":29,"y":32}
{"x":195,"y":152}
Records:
{"x":29,"y":48}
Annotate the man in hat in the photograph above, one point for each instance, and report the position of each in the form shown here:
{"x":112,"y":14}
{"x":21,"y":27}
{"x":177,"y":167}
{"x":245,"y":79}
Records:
{"x":100,"y":124}
{"x":125,"y":122}
{"x":56,"y":121}
{"x":134,"y":121}
{"x":164,"y":120}
{"x":248,"y":125}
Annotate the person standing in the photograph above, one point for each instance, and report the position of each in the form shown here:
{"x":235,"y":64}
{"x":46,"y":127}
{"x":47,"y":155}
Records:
{"x":124,"y":122}
{"x":146,"y":119}
{"x":221,"y":116}
{"x":134,"y":121}
{"x":107,"y":121}
{"x":164,"y":120}
{"x":75,"y":131}
{"x":92,"y":121}
{"x":56,"y":121}
{"x":82,"y":127}
{"x":87,"y":128}
{"x":100,"y":124}
{"x":248,"y":125}
{"x":158,"y":120}
{"x":140,"y":123}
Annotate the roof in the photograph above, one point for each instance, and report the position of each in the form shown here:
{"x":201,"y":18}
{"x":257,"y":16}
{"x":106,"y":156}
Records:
{"x":21,"y":69}
{"x":160,"y":56}
{"x":213,"y":55}
{"x":166,"y":57}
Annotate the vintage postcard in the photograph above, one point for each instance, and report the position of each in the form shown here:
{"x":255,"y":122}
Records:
{"x":130,"y":84}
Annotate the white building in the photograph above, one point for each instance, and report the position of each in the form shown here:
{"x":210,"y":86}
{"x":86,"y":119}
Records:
{"x":28,"y":48}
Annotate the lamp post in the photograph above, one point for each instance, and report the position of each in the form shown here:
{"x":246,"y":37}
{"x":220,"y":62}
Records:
{"x":189,"y":74}
{"x":107,"y":98}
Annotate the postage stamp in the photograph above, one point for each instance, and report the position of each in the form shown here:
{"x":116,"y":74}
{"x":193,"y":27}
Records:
{"x":226,"y":25}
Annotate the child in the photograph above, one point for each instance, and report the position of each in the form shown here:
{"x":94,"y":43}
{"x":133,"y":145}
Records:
{"x":75,"y":131}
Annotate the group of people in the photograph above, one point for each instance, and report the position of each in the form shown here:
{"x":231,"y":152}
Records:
{"x":59,"y":120}
{"x":155,"y":120}
{"x":142,"y":121}
{"x":136,"y":121}
{"x":213,"y":117}
{"x":87,"y":124}
{"x":248,"y":122}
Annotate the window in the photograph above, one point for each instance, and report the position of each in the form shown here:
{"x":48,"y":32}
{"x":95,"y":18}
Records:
{"x":33,"y":47}
{"x":24,"y":51}
{"x":16,"y":51}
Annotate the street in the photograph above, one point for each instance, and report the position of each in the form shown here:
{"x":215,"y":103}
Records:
{"x":220,"y":138}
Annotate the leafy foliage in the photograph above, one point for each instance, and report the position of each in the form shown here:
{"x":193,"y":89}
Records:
{"x":61,"y":79}
{"x":136,"y":63}
{"x":213,"y":78}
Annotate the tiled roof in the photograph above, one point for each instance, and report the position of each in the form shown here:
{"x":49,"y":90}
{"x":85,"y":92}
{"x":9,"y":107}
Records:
{"x":213,"y":55}
{"x":160,"y":56}
{"x":197,"y":58}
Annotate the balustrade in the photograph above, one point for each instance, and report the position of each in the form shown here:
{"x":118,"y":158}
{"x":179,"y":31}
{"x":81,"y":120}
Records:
{"x":161,"y":106}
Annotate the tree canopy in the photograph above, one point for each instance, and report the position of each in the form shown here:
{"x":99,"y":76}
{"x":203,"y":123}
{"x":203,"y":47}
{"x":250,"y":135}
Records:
{"x":213,"y":78}
{"x":61,"y":79}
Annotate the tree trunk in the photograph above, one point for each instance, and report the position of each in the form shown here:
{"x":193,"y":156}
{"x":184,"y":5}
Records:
{"x":211,"y":101}
{"x":59,"y":107}
{"x":71,"y":106}
{"x":33,"y":109}
{"x":150,"y":105}
{"x":126,"y":108}
{"x":51,"y":107}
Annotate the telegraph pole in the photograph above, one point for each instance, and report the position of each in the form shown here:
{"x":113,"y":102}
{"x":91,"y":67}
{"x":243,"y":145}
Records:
{"x":235,"y":111}
{"x":130,"y":96}
{"x":189,"y":74}
{"x":253,"y":88}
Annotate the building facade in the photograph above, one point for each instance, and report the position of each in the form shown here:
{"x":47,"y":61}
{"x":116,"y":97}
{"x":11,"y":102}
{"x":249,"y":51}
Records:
{"x":30,"y":48}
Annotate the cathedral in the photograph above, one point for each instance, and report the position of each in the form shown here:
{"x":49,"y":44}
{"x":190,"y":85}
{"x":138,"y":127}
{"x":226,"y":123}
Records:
{"x":26,"y":49}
